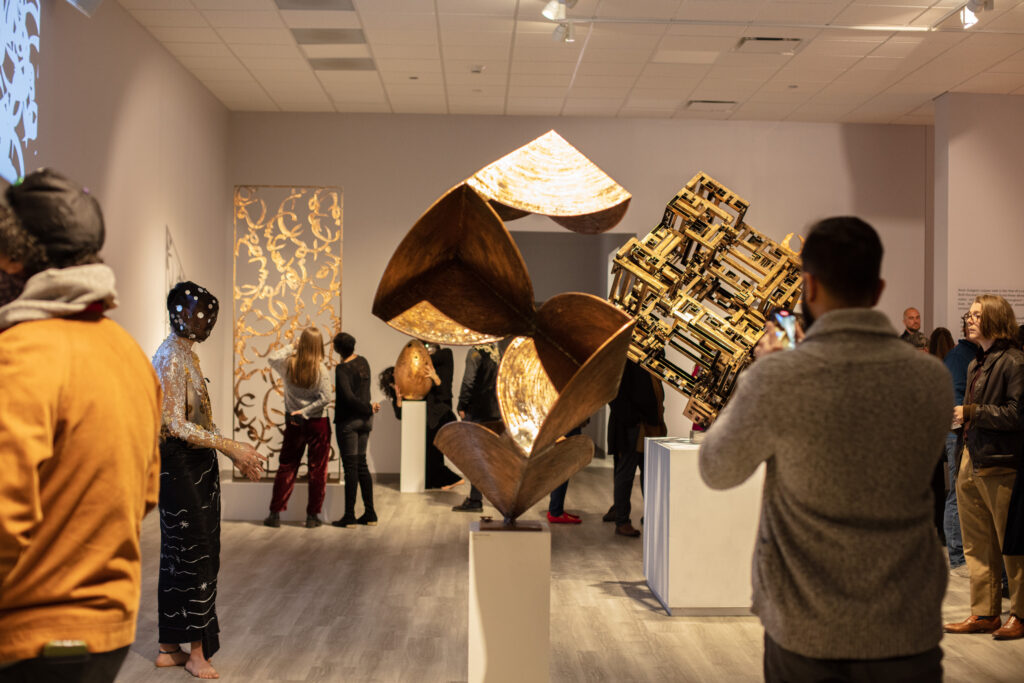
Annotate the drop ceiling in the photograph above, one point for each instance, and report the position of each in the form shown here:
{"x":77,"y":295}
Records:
{"x":841,"y":61}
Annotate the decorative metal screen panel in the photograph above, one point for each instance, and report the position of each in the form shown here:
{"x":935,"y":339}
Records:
{"x":701,"y":286}
{"x":287,"y":276}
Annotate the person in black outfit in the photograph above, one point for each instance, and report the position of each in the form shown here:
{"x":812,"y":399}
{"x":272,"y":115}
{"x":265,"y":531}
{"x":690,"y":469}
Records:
{"x":353,"y":420}
{"x":478,"y":402}
{"x":636,"y":412}
{"x":439,"y":413}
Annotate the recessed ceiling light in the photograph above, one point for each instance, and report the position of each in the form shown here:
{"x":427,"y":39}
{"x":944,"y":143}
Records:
{"x":710,"y":105}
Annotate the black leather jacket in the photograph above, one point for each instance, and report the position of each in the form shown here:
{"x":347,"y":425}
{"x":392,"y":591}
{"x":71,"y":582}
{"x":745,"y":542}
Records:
{"x":992,"y":407}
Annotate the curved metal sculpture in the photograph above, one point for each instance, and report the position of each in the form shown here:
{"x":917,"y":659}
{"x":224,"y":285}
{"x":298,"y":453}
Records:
{"x":458,"y":278}
{"x":412,"y":371}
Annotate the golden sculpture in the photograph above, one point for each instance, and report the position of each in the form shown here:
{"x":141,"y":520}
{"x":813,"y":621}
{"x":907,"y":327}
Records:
{"x":413,"y":371}
{"x":287,"y":276}
{"x":700,"y":287}
{"x":458,"y":278}
{"x":545,"y":177}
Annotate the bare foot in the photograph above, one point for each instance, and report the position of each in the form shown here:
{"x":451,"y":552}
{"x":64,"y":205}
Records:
{"x":169,"y":656}
{"x":200,"y":667}
{"x":449,"y":487}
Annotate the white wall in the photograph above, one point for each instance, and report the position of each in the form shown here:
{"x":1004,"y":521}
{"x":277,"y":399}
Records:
{"x":979,"y":164}
{"x":121,"y":116}
{"x":392,"y":168}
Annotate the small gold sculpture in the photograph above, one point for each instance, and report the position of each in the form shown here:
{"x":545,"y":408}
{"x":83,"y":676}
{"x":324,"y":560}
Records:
{"x":412,"y":371}
{"x":700,"y":286}
{"x":458,"y":278}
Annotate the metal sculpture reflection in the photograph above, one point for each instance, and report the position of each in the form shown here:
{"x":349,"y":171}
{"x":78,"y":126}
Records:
{"x":287,"y":276}
{"x":700,"y":287}
{"x":458,"y":278}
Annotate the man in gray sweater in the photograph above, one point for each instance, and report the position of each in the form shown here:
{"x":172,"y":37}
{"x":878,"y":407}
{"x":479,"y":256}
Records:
{"x":848,"y":574}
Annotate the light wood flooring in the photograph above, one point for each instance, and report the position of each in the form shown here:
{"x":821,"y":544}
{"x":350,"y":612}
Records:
{"x":389,"y":603}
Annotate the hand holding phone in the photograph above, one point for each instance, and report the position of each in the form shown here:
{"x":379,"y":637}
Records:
{"x":785,"y":328}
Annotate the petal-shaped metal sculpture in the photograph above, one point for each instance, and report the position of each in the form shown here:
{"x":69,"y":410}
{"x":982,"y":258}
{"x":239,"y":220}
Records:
{"x":546,"y":176}
{"x":511,"y":481}
{"x":457,"y":277}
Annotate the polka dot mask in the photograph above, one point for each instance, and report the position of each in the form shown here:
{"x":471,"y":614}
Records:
{"x":193,"y":311}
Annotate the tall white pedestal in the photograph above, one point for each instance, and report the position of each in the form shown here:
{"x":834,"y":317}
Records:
{"x":509,"y":605}
{"x":414,"y":446}
{"x":698,"y":542}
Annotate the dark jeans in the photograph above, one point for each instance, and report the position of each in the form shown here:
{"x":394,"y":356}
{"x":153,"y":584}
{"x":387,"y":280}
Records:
{"x":556,"y":504}
{"x":353,"y":435}
{"x":315,"y":433}
{"x":783,"y":666}
{"x":626,"y":465}
{"x":951,"y":518}
{"x":94,"y":667}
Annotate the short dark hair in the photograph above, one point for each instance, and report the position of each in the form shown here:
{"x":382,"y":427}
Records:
{"x":845,"y":254}
{"x":17,"y":245}
{"x":344,"y":344}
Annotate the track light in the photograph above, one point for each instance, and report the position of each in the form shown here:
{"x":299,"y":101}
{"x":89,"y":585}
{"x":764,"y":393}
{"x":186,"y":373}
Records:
{"x":969,"y":12}
{"x":564,"y":33}
{"x":555,"y":9}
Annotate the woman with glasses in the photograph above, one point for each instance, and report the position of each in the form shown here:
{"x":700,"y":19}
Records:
{"x":990,"y":456}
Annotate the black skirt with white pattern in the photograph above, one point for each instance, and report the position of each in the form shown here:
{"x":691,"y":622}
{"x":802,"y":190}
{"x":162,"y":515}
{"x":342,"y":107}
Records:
{"x":189,"y":545}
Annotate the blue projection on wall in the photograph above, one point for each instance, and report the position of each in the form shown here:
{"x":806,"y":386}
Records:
{"x":19,"y":113}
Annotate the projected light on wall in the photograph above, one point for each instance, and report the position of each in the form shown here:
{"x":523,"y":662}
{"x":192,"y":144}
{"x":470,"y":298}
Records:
{"x":19,"y":113}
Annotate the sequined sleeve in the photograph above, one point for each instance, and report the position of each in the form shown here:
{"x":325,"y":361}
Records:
{"x":173,"y":371}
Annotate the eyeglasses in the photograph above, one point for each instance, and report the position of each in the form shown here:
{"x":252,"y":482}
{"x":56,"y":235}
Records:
{"x":968,"y":317}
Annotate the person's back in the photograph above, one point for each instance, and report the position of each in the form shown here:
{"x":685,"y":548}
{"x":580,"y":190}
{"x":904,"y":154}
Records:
{"x":848,"y":575}
{"x":80,"y":413}
{"x":848,"y":559}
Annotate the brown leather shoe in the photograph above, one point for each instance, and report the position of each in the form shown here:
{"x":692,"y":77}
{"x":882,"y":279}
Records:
{"x":974,"y":624}
{"x":1011,"y":630}
{"x":626,"y":530}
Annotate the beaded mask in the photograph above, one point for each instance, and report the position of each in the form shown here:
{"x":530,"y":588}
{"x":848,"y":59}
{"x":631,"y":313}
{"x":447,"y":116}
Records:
{"x":193,"y":311}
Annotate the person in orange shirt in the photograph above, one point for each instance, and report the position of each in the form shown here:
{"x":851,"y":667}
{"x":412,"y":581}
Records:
{"x":79,"y":423}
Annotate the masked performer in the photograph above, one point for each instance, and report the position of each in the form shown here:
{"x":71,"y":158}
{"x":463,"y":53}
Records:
{"x":190,"y":487}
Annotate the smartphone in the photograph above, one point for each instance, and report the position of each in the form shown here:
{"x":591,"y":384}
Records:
{"x":786,"y":322}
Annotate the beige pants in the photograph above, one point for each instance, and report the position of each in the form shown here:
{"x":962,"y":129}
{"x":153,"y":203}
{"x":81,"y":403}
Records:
{"x":983,"y":502}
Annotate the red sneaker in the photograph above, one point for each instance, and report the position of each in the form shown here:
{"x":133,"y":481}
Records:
{"x":564,"y":518}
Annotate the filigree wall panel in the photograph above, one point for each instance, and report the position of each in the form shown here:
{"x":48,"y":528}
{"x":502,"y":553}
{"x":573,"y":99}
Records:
{"x":287,"y":276}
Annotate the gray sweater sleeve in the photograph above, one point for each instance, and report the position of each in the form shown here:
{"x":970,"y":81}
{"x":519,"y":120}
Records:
{"x":324,"y":390}
{"x":741,"y":438}
{"x":278,"y":359}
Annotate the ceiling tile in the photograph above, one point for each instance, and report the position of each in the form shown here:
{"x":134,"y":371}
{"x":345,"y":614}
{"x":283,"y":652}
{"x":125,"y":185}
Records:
{"x":433,"y":78}
{"x":540,"y":80}
{"x":252,"y":19}
{"x":609,"y":69}
{"x":740,"y":73}
{"x":739,"y":59}
{"x":818,"y":112}
{"x":208,"y":75}
{"x":591,"y":107}
{"x":798,"y":12}
{"x":649,"y":9}
{"x":470,"y":22}
{"x":320,"y":19}
{"x":169,"y":34}
{"x":322,"y":51}
{"x":419,"y":107}
{"x":181,"y":50}
{"x":180,"y":5}
{"x":350,"y":79}
{"x":398,"y":91}
{"x":306,"y":79}
{"x":400,"y":37}
{"x":603,"y":81}
{"x":478,"y":53}
{"x":496,"y":7}
{"x":397,"y":6}
{"x":398,"y":22}
{"x":419,"y":65}
{"x":567,"y":53}
{"x":847,"y":48}
{"x":467,"y":38}
{"x":271,"y":52}
{"x":653,"y":98}
{"x":533,"y":92}
{"x":859,"y":14}
{"x":698,"y":43}
{"x":521,"y":67}
{"x":477,"y":108}
{"x":221,"y":62}
{"x":716,"y":10}
{"x":256,"y":36}
{"x":362,"y":107}
{"x":616,"y":56}
{"x":1013,"y":65}
{"x":619,"y":94}
{"x":684,"y":57}
{"x":406,"y":52}
{"x":296,"y":63}
{"x":170,"y":18}
{"x":764,"y":111}
{"x":645,"y":113}
{"x":467,"y":92}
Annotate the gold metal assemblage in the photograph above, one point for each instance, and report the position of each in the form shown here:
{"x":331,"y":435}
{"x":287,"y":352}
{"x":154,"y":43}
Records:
{"x":701,"y":286}
{"x":413,"y":370}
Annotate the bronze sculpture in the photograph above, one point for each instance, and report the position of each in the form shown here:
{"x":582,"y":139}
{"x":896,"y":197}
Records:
{"x":458,"y":278}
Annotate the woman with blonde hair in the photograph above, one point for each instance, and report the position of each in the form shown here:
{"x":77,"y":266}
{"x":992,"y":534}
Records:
{"x":990,"y":449}
{"x":307,"y":391}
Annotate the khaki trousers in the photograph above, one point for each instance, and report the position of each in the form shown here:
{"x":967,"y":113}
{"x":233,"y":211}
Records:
{"x":983,"y":502}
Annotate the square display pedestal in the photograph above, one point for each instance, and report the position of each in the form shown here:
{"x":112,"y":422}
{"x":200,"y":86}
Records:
{"x":509,"y":605}
{"x":414,"y":446}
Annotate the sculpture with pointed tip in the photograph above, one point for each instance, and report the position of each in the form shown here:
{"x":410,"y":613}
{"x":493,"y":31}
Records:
{"x":413,"y":370}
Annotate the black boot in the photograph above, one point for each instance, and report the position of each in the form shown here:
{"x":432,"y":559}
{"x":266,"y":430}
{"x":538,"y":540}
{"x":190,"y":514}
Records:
{"x":369,"y":518}
{"x":273,"y":520}
{"x":347,"y":520}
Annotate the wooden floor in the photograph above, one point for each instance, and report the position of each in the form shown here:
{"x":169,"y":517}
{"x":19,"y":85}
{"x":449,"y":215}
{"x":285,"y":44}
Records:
{"x":389,"y":603}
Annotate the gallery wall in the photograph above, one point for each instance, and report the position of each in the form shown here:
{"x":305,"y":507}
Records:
{"x":979,"y":163}
{"x":121,"y":116}
{"x":392,"y":168}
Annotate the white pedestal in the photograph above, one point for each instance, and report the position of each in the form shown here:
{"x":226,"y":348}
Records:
{"x":250,"y":500}
{"x":509,"y":605}
{"x":698,"y":543}
{"x":414,"y":446}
